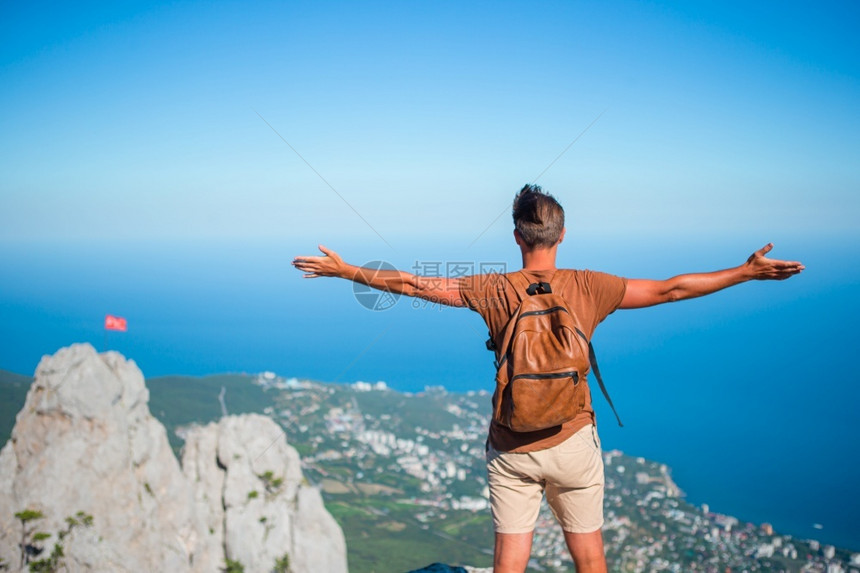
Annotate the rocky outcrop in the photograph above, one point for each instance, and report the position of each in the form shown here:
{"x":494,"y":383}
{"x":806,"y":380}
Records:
{"x":93,"y":466}
{"x":85,"y":441}
{"x":249,"y":488}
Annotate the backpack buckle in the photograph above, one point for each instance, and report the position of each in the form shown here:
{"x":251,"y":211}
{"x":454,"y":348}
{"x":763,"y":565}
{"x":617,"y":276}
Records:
{"x":491,"y":344}
{"x":539,"y":288}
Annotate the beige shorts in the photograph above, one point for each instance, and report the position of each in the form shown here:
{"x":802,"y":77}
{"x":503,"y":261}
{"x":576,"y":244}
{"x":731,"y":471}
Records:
{"x":571,"y":473}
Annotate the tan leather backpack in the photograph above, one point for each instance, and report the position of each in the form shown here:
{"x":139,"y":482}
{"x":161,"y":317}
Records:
{"x":542,"y":359}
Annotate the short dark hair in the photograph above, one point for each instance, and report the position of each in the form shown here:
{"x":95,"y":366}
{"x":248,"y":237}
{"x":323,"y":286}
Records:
{"x":538,"y":217}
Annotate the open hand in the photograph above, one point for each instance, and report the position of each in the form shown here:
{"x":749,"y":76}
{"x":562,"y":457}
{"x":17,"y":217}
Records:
{"x":328,"y":265}
{"x":763,"y":268}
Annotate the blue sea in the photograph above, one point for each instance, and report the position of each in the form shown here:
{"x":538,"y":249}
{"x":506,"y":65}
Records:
{"x":750,"y":395}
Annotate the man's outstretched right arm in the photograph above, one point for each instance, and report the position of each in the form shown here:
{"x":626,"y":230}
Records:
{"x":435,"y":289}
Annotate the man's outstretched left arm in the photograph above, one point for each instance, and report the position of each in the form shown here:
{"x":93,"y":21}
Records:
{"x":435,"y":289}
{"x":641,"y":293}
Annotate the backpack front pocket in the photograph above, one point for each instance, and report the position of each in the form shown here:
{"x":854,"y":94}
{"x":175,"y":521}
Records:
{"x":542,"y":400}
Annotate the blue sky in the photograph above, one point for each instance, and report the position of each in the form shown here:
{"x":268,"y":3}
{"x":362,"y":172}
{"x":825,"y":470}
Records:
{"x":139,"y":121}
{"x":139,"y":176}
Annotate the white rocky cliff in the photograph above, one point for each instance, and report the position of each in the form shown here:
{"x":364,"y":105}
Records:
{"x":263,"y":511}
{"x":89,"y":468}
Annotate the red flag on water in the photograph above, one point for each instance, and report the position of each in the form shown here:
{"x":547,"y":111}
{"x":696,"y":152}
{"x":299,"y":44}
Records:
{"x":115,"y":323}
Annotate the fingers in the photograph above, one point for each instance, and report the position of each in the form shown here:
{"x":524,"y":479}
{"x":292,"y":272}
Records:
{"x":780,"y":270}
{"x":785,"y":273}
{"x":304,"y":260}
{"x":791,"y":267}
{"x":312,"y":258}
{"x":307,"y":264}
{"x":311,"y":271}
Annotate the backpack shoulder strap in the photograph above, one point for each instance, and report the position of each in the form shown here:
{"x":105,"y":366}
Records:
{"x":592,"y":357}
{"x":519,"y":282}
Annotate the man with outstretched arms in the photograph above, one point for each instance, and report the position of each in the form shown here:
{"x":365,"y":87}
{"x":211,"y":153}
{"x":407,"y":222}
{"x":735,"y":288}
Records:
{"x":563,"y":461}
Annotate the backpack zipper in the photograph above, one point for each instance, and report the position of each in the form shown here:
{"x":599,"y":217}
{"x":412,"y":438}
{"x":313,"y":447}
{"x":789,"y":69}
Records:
{"x":572,"y":374}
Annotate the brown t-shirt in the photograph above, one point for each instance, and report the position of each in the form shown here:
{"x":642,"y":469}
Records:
{"x":591,"y":296}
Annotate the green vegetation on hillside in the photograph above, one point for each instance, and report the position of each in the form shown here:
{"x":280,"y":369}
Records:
{"x":384,"y":535}
{"x":181,"y":400}
{"x":13,"y":393}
